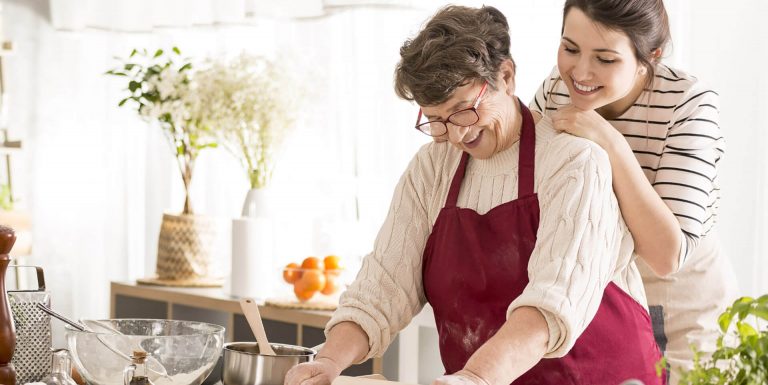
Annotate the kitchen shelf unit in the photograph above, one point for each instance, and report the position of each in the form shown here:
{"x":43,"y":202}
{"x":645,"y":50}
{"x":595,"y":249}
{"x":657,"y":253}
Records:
{"x":412,"y":357}
{"x":288,"y":326}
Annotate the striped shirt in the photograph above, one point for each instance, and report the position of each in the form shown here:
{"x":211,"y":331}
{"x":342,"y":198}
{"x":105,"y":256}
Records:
{"x":674,"y":132}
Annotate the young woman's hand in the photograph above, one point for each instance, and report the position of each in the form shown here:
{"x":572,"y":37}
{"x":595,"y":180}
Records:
{"x":462,"y":377}
{"x":586,"y":124}
{"x":321,"y":371}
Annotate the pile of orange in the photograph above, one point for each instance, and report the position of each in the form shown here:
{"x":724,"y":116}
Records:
{"x":314,"y":276}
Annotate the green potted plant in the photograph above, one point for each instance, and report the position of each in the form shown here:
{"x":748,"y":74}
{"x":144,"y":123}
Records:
{"x":741,"y":357}
{"x":161,"y":88}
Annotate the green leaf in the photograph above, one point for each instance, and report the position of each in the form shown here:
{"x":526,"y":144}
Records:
{"x":185,"y":67}
{"x":741,"y":307}
{"x":129,"y":66}
{"x":176,"y":49}
{"x":133,"y":85}
{"x":725,"y":321}
{"x":761,"y":311}
{"x":745,"y":329}
{"x":6,"y":203}
{"x":134,"y":52}
{"x":158,"y":52}
{"x":122,"y":102}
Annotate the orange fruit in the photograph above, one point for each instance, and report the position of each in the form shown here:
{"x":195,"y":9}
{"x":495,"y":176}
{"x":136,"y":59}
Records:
{"x":331,"y":284}
{"x":291,"y":273}
{"x":311,"y":280}
{"x":303,"y":295}
{"x":331,"y":262}
{"x":312,"y":263}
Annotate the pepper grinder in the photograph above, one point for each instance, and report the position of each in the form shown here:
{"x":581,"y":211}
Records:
{"x":7,"y":332}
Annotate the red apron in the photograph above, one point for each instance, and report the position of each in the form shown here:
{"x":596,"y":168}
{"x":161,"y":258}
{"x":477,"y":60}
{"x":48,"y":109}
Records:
{"x":476,"y":265}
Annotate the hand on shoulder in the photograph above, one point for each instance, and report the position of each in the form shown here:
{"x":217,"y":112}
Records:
{"x":586,"y":124}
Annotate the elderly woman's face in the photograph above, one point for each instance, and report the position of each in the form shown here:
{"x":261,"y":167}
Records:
{"x":494,"y":131}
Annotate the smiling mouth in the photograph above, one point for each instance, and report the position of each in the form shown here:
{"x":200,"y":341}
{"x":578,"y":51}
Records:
{"x":473,"y":141}
{"x":585,"y":89}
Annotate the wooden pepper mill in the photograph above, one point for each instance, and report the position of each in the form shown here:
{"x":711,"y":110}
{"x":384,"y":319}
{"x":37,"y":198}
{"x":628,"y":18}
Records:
{"x":7,"y":332}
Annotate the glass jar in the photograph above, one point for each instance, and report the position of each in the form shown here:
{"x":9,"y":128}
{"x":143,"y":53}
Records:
{"x":136,"y":372}
{"x":61,"y":369}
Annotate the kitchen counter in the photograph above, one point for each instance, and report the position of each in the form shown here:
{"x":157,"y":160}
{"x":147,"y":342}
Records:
{"x":412,"y":355}
{"x":213,"y":305}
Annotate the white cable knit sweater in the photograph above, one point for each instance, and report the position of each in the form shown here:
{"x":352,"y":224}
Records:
{"x":582,"y":242}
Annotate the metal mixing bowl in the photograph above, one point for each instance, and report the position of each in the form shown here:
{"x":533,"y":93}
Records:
{"x":243,"y":365}
{"x":181,"y":352}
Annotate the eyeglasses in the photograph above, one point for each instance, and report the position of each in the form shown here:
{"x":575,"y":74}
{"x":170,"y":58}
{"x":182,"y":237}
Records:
{"x":462,"y":118}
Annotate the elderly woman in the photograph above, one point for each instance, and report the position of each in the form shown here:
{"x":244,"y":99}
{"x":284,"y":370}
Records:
{"x":535,"y":293}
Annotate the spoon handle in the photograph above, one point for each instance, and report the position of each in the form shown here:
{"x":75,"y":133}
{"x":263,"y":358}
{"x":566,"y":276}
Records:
{"x":60,"y":317}
{"x":251,"y":312}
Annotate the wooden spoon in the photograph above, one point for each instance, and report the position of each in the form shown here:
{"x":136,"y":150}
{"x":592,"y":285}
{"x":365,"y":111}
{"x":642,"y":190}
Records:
{"x":251,"y":312}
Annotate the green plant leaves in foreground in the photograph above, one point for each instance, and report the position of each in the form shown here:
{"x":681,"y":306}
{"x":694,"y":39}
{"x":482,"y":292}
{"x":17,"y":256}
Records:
{"x":741,"y":357}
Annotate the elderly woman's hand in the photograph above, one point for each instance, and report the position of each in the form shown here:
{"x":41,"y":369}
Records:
{"x":318,"y":372}
{"x":462,"y":377}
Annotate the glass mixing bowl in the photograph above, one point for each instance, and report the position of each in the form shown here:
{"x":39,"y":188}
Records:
{"x":181,"y":352}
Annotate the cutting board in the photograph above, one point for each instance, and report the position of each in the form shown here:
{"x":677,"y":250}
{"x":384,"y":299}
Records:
{"x":374,"y":379}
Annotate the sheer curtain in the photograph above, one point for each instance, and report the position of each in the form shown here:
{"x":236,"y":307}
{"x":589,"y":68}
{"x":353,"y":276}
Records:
{"x":97,"y":179}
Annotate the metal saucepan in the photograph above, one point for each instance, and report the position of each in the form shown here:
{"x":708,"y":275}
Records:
{"x":243,"y":365}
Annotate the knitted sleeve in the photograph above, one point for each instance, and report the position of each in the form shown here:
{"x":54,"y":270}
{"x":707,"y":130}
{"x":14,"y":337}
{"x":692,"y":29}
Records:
{"x":580,"y":233}
{"x":388,"y":290}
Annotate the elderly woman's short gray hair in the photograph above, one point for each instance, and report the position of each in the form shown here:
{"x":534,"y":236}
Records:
{"x":457,"y":45}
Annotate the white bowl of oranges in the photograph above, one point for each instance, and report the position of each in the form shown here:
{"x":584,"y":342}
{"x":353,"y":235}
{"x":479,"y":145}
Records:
{"x":315,"y":277}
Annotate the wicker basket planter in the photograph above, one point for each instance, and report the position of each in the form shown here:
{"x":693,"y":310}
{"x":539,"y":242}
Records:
{"x":190,"y":251}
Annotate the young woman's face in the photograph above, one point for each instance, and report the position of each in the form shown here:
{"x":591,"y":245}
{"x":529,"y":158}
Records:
{"x":598,"y":65}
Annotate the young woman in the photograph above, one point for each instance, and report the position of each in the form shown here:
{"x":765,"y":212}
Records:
{"x":660,"y":129}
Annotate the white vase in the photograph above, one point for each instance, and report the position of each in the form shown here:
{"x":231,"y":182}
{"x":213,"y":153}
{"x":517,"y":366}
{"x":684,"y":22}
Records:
{"x":253,"y":269}
{"x":258,"y":203}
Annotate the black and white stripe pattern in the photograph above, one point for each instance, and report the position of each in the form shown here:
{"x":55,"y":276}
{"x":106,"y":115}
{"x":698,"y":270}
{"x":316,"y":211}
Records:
{"x":674,"y":131}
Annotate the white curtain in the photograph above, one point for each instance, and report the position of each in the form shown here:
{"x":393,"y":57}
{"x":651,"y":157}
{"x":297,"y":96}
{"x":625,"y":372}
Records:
{"x":147,"y":15}
{"x":97,"y":178}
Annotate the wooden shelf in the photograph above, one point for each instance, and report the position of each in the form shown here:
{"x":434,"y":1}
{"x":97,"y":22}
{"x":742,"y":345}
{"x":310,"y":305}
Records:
{"x":214,"y":299}
{"x":213,"y":305}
